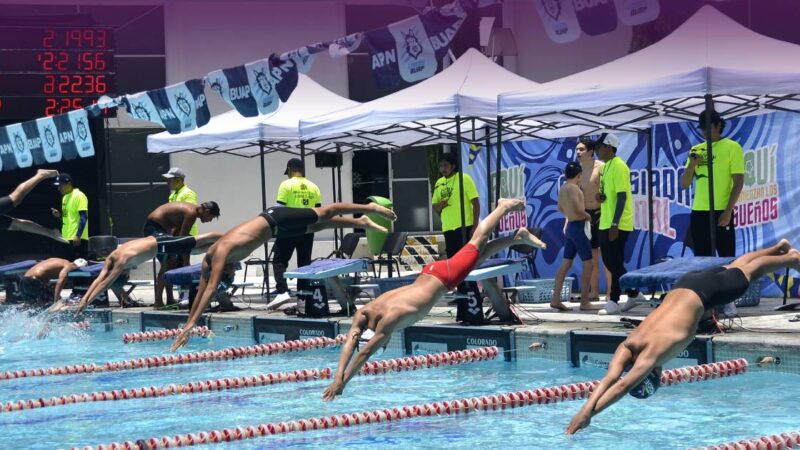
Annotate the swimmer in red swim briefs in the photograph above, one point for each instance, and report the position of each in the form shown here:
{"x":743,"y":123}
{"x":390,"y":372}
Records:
{"x":374,"y":324}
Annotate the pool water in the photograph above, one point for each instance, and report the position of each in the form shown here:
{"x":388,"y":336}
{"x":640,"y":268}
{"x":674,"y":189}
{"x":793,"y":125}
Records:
{"x":677,"y":417}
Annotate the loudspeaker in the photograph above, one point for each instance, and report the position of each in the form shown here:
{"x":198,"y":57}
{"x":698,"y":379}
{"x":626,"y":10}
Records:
{"x":324,"y":159}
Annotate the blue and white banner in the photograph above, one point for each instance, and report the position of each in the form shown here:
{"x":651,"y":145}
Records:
{"x":180,"y":107}
{"x":258,"y":87}
{"x":596,"y":16}
{"x":45,"y":140}
{"x":346,"y":45}
{"x":533,"y":170}
{"x":559,"y":19}
{"x":637,"y":12}
{"x":411,"y":49}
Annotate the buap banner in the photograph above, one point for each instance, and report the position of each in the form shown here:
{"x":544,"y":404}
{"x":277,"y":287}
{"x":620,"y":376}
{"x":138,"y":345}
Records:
{"x":257,"y":87}
{"x":637,"y":12}
{"x":46,"y":140}
{"x":559,"y":19}
{"x":565,"y":20}
{"x":533,"y":170}
{"x":180,"y":107}
{"x":412,"y":48}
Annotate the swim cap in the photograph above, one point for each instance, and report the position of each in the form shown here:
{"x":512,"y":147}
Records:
{"x":365,"y":338}
{"x":648,"y":386}
{"x":80,"y":263}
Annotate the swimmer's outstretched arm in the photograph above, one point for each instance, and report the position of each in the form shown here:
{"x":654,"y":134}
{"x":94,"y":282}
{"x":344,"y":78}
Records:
{"x":62,"y":279}
{"x":202,"y":299}
{"x":349,"y":347}
{"x":379,"y":340}
{"x":111,"y":271}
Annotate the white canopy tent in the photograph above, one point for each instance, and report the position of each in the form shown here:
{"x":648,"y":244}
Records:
{"x":232,"y":133}
{"x":710,"y":54}
{"x":459,"y":103}
{"x":709,"y":62}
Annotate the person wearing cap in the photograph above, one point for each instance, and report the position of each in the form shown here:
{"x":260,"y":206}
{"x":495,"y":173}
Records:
{"x":35,"y":287}
{"x":728,"y":181}
{"x":12,"y":200}
{"x":447,"y":204}
{"x":295,"y":192}
{"x":577,"y":230}
{"x":666,"y":332}
{"x":616,"y":220}
{"x":179,"y":192}
{"x":74,"y":215}
{"x":175,"y":219}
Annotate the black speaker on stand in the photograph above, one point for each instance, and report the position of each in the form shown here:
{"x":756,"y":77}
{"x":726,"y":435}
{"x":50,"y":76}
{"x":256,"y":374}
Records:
{"x":334,"y":161}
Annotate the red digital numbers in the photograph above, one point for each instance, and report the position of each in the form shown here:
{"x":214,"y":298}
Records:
{"x":76,"y":84}
{"x":61,"y":105}
{"x":73,"y":61}
{"x":81,"y":38}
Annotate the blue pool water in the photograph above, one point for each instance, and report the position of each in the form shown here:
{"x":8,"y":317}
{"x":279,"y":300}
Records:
{"x":677,"y":417}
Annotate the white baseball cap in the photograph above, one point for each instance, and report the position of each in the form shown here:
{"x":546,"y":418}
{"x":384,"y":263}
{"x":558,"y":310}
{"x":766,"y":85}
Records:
{"x":80,"y":263}
{"x":174,"y":172}
{"x":608,"y":139}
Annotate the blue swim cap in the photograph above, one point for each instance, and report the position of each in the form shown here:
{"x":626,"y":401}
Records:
{"x":648,"y":386}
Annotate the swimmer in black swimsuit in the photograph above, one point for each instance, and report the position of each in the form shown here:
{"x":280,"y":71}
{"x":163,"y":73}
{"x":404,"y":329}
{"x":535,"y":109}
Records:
{"x":12,"y":200}
{"x":239,"y":242}
{"x":673,"y":325}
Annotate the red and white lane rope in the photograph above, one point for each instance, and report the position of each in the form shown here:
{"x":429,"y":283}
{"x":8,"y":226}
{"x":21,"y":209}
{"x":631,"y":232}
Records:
{"x":551,"y":394}
{"x":163,"y":335}
{"x":781,"y":441}
{"x":181,"y":358}
{"x":196,"y":387}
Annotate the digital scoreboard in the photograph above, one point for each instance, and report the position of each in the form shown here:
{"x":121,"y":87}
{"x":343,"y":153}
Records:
{"x":52,"y":70}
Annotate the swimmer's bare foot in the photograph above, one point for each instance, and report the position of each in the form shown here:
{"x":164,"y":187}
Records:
{"x":45,"y":174}
{"x":511,"y":204}
{"x":384,"y":211}
{"x":560,"y":306}
{"x":795,"y":263}
{"x":365,"y":222}
{"x":525,"y":237}
{"x":588,"y":306}
{"x":783,"y":246}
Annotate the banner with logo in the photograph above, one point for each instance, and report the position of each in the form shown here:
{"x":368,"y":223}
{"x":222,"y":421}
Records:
{"x":559,"y":19}
{"x":596,"y":16}
{"x":637,"y":12}
{"x":411,"y":49}
{"x":45,"y":140}
{"x":533,"y":170}
{"x":180,"y":107}
{"x":258,"y":87}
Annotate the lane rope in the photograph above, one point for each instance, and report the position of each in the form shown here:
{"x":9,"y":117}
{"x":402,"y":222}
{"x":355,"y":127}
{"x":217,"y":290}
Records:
{"x":196,"y":387}
{"x":790,"y":439}
{"x":545,"y":395}
{"x":163,"y":335}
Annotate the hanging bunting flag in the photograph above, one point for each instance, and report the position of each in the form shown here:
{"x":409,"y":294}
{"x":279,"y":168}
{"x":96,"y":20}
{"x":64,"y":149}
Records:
{"x":410,"y":49}
{"x":180,"y":107}
{"x":559,"y":19}
{"x":304,"y":56}
{"x":346,"y":45}
{"x":596,"y":16}
{"x":257,"y":87}
{"x":16,"y":153}
{"x":48,"y":133}
{"x":637,"y":12}
{"x":74,"y":134}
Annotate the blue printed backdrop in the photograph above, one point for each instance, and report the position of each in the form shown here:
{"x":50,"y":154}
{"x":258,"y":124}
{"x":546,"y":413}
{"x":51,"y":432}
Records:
{"x":533,"y":170}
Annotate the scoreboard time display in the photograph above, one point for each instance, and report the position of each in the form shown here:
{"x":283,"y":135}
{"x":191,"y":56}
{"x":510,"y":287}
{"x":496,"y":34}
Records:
{"x":52,"y":70}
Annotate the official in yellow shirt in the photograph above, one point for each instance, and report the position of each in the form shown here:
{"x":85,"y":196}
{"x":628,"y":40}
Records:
{"x":296,"y":192}
{"x":616,"y":220}
{"x":728,"y":183}
{"x":447,"y":203}
{"x":179,"y":192}
{"x":74,"y":216}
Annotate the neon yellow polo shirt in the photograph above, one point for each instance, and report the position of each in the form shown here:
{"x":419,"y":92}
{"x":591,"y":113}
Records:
{"x":187,"y":195}
{"x":615,"y":178}
{"x":445,"y":188}
{"x":298,"y":192}
{"x":728,"y":161}
{"x":71,"y":206}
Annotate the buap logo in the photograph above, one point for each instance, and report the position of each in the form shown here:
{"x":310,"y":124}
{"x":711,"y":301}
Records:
{"x":413,"y":46}
{"x":82,"y":130}
{"x":140,"y":111}
{"x":185,"y":108}
{"x":19,"y":143}
{"x":216,"y":86}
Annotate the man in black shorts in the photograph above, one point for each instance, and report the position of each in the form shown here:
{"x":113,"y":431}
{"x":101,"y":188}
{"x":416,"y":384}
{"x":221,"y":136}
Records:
{"x":12,"y":200}
{"x":239,"y":242}
{"x":673,"y":325}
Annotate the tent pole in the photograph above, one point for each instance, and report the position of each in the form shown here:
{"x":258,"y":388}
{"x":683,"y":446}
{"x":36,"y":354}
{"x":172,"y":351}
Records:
{"x":265,"y":285}
{"x":650,"y":236}
{"x":339,"y":182}
{"x":488,"y":144}
{"x":460,"y":168}
{"x":710,"y":163}
{"x":303,"y":152}
{"x":498,"y":164}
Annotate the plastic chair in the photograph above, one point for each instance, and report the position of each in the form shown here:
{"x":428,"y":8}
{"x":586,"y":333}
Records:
{"x":391,"y":250}
{"x":264,"y":263}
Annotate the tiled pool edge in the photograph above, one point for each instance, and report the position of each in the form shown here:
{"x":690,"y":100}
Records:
{"x":555,"y":341}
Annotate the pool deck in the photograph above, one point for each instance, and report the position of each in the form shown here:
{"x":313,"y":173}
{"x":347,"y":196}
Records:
{"x":759,"y":331}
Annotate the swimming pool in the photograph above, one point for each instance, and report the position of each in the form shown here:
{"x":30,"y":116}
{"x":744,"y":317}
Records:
{"x":677,"y":417}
